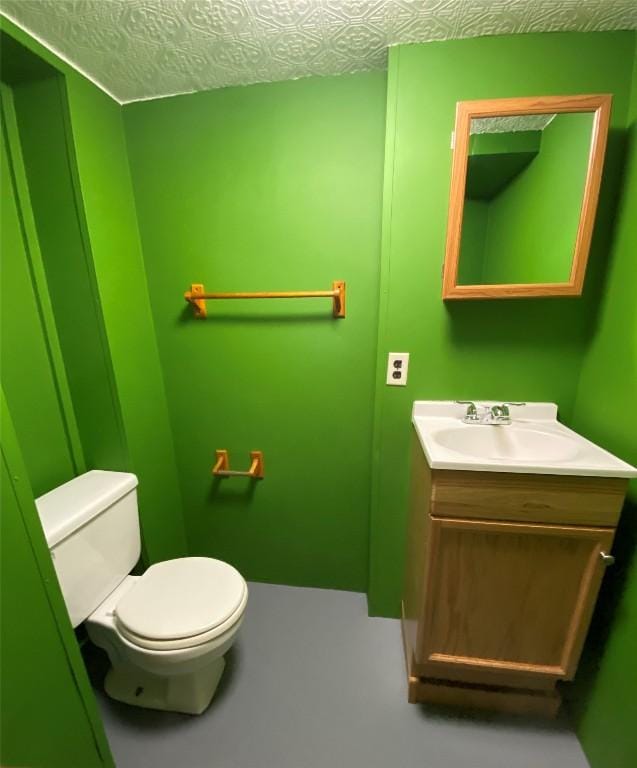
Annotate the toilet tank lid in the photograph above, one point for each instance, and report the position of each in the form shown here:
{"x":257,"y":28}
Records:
{"x":68,"y":507}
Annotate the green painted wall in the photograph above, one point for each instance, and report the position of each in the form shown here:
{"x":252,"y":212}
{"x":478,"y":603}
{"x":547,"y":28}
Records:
{"x":48,"y":717}
{"x":34,"y":386}
{"x":43,"y":123}
{"x":605,"y":412}
{"x":270,"y":187}
{"x":510,"y":350}
{"x":43,"y":684}
{"x":475,"y":221}
{"x":495,"y":159}
{"x":511,"y":142}
{"x":532,"y":223}
{"x":109,"y":210}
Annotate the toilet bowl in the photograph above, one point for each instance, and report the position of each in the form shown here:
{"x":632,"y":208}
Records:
{"x":165,"y":632}
{"x":164,"y":655}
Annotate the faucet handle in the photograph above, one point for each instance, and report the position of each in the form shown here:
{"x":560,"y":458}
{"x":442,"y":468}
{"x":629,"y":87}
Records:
{"x":501,"y":412}
{"x":472,"y":411}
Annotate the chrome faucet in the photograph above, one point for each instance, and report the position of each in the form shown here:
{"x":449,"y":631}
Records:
{"x":499,"y":414}
{"x":471,"y":416}
{"x":496,"y":414}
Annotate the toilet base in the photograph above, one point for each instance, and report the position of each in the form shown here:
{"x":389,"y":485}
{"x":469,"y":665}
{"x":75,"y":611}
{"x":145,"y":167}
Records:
{"x":190,"y":693}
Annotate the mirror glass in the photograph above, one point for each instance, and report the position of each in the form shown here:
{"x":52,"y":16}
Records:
{"x":525,"y":183}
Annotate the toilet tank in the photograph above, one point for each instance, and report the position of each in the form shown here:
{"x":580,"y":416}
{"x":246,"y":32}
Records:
{"x":92,"y":528}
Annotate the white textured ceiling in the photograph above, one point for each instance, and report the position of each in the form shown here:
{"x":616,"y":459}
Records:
{"x":510,"y":124}
{"x":142,"y":49}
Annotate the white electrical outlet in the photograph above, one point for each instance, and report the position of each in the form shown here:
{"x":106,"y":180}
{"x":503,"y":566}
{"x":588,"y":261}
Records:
{"x":397,"y":366}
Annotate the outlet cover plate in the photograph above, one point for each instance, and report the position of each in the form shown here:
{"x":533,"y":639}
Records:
{"x":397,"y":367}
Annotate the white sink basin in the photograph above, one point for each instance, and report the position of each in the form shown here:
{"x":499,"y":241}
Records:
{"x":535,"y":442}
{"x":506,"y":442}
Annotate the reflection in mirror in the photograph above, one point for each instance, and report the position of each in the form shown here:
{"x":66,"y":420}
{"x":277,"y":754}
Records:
{"x":523,"y":197}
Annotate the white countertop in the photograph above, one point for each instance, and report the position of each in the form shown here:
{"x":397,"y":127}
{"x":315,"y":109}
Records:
{"x":542,"y":444}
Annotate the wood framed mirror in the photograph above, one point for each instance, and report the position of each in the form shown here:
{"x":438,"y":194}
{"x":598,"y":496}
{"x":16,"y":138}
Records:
{"x":525,"y":183}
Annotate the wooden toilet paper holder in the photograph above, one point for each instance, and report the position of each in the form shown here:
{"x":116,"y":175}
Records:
{"x":222,"y":466}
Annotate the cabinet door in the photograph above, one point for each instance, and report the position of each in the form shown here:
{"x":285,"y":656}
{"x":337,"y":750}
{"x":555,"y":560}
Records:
{"x":509,"y":597}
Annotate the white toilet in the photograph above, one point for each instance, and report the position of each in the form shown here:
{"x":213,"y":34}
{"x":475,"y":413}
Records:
{"x":165,"y":632}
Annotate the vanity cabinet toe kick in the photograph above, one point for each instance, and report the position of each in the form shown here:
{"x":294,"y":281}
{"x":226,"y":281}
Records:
{"x":502,"y":575}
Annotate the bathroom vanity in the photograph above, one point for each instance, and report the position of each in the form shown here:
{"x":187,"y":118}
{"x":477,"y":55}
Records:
{"x":510,"y":531}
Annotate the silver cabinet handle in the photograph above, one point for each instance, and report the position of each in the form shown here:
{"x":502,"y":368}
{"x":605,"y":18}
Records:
{"x":607,"y":559}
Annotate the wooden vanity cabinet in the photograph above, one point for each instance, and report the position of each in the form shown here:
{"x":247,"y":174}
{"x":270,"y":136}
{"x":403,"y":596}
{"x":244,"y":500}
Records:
{"x":502,"y":575}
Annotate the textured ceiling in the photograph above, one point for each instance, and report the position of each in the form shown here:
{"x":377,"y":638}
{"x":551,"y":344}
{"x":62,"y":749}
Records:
{"x":141,"y":49}
{"x":510,"y":124}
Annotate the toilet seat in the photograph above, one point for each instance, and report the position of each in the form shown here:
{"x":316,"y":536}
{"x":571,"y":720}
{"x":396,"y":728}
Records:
{"x":181,"y":603}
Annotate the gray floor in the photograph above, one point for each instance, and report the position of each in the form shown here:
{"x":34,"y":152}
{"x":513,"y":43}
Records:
{"x":313,"y":682}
